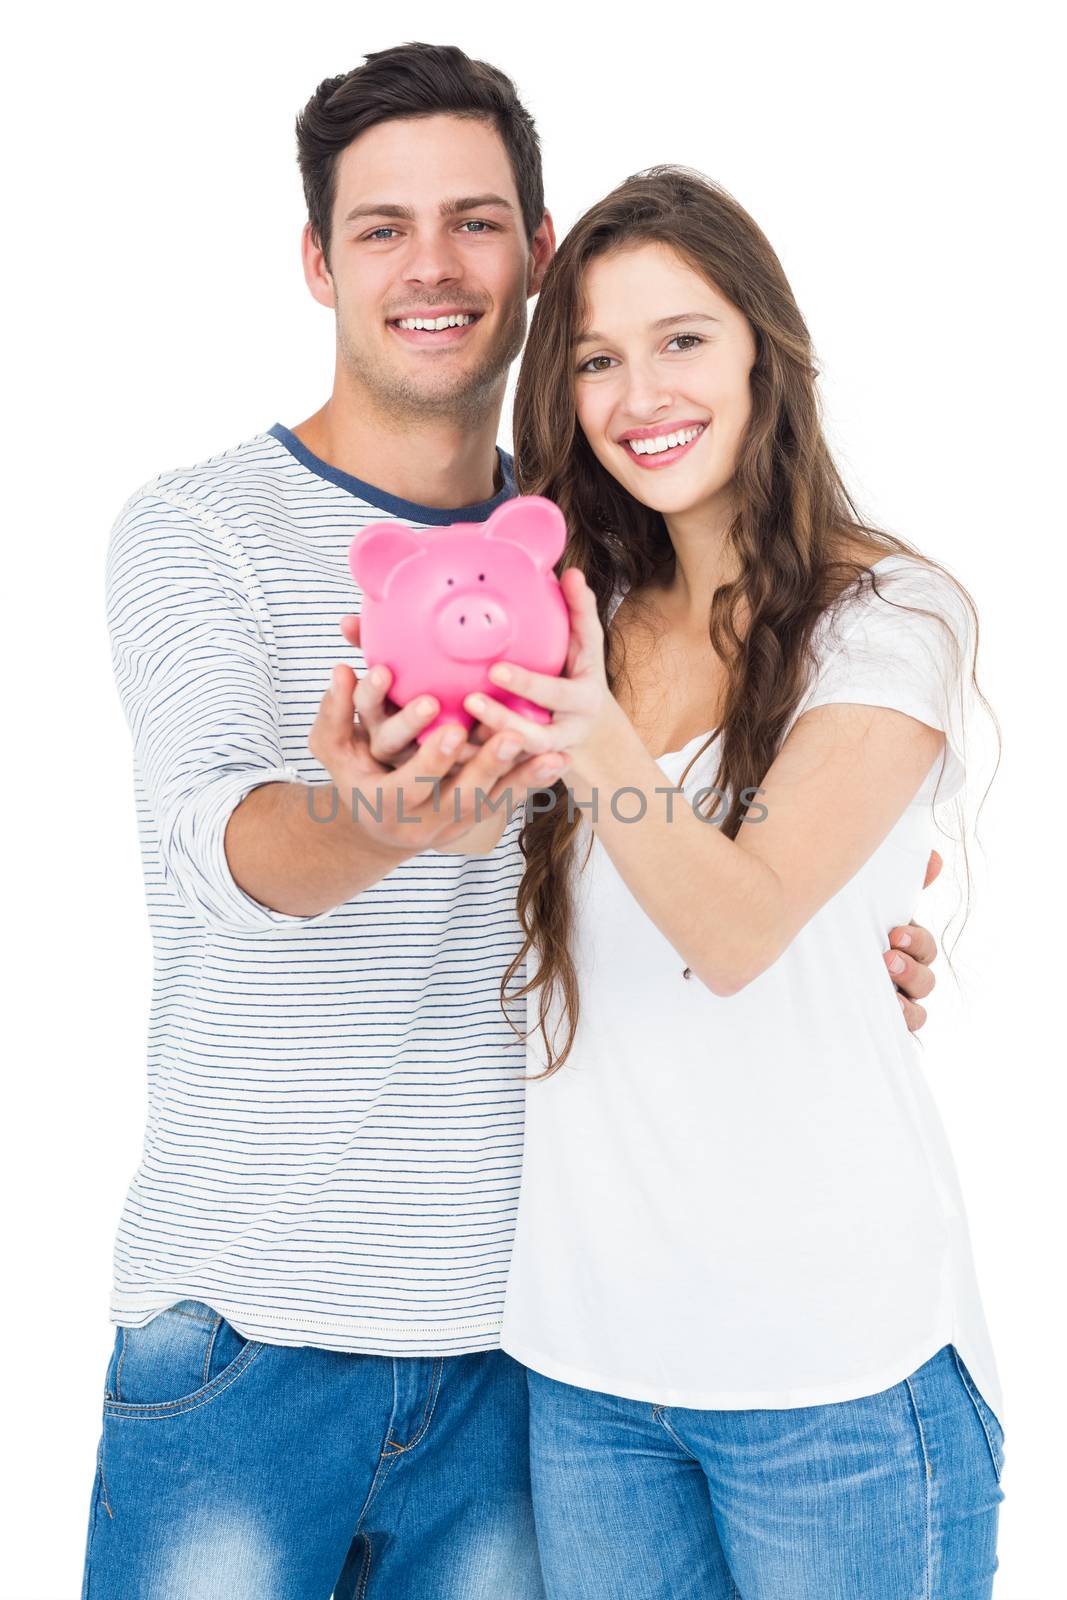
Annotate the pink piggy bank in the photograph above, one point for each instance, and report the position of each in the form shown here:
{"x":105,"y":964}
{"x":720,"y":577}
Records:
{"x":441,"y":607}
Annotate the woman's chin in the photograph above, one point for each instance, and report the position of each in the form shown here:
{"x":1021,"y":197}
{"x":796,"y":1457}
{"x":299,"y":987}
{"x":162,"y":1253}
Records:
{"x":669,"y":499}
{"x":673,"y":489}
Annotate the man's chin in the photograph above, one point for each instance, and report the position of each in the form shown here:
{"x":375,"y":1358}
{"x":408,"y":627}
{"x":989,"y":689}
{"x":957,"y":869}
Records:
{"x":446,"y":393}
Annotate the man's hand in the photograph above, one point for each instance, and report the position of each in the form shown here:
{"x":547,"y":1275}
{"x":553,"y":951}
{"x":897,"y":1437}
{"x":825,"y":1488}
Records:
{"x":397,"y":780}
{"x":390,"y":730}
{"x":915,"y":948}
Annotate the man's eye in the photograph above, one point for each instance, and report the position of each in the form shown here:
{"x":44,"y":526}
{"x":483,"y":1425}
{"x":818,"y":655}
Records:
{"x":376,"y":231}
{"x":478,"y":222}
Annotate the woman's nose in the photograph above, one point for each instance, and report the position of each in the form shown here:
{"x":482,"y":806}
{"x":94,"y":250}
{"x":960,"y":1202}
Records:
{"x":646,"y":397}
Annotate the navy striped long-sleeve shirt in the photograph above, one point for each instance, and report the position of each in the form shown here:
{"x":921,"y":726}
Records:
{"x":335,"y":1102}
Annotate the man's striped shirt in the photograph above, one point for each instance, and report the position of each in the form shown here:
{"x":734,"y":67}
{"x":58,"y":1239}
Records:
{"x":335,"y":1102}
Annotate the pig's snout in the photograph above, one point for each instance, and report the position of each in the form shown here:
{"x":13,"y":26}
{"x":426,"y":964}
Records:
{"x":472,"y":627}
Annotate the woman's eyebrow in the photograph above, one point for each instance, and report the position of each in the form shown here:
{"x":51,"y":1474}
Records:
{"x":593,"y":337}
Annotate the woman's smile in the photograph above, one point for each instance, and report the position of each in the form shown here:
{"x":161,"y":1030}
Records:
{"x":659,"y":449}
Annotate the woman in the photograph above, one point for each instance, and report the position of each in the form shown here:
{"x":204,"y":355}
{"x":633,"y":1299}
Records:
{"x":742,"y":1282}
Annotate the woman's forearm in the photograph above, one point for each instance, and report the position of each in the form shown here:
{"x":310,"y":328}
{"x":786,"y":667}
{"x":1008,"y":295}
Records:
{"x":720,"y":907}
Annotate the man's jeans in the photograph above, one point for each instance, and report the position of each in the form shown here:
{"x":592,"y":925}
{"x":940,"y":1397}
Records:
{"x":234,"y":1470}
{"x":894,"y":1496}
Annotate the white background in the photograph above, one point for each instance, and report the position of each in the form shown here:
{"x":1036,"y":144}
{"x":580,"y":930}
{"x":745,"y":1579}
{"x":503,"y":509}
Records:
{"x":901,"y":162}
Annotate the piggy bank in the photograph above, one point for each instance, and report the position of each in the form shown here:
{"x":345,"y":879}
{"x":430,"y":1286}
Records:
{"x":442,"y":606}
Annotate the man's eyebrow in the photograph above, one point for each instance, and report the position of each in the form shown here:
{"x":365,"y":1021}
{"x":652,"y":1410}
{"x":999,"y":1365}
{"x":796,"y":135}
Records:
{"x":477,"y":202}
{"x":447,"y":208}
{"x":593,"y":337}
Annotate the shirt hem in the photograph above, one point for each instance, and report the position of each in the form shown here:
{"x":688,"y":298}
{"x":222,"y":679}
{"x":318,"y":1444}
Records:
{"x":733,"y":1400}
{"x":344,"y":1333}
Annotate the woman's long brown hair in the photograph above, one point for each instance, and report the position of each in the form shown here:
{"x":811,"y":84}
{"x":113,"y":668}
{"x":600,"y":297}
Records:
{"x":792,"y":534}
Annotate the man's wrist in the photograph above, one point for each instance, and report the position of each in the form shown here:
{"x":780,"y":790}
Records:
{"x":335,"y":808}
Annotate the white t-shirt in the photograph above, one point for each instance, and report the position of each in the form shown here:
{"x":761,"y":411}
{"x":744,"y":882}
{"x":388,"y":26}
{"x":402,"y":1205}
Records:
{"x":749,"y":1201}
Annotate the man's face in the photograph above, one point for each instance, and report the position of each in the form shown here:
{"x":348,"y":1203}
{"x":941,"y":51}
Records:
{"x":426,"y":225}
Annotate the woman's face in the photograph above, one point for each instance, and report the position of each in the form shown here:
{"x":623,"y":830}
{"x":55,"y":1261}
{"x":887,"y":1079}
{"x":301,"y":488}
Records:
{"x":662,"y":353}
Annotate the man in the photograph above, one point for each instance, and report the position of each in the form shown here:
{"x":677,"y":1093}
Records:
{"x":306,"y":1393}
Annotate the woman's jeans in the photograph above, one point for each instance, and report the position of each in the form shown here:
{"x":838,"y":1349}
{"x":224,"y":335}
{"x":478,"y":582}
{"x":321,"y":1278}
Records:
{"x":894,"y":1496}
{"x":234,"y":1470}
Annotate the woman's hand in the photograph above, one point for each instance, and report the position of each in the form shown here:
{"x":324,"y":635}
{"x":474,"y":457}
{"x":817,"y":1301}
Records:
{"x":585,"y":713}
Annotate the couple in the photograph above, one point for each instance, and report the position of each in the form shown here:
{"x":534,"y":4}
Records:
{"x":740,"y":1308}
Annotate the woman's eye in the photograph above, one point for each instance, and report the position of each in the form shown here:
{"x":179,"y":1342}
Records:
{"x":691,"y":340}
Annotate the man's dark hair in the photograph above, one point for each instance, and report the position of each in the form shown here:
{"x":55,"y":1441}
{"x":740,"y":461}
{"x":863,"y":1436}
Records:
{"x":412,"y":80}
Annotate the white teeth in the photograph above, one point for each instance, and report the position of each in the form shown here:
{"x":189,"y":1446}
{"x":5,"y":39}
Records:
{"x":665,"y":441}
{"x":434,"y":323}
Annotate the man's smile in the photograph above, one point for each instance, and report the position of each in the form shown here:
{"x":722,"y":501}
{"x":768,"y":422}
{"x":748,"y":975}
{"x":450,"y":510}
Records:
{"x":432,"y":329}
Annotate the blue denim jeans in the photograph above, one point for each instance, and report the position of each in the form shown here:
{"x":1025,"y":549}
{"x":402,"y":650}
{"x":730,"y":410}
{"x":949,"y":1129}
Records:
{"x":234,"y":1470}
{"x":894,"y":1496}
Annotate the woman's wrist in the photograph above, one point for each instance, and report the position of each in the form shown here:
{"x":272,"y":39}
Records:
{"x":612,"y":743}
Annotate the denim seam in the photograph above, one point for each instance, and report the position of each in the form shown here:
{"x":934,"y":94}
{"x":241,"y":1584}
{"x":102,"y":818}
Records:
{"x":118,"y":1369}
{"x":94,"y":1513}
{"x":657,"y":1416}
{"x":132,"y":1412}
{"x":663,"y":1422}
{"x":928,"y":1485}
{"x":969,"y":1386}
{"x":380,"y":1475}
{"x":364,"y":1572}
{"x":428,"y":1408}
{"x":375,"y":1487}
{"x":103,"y":1480}
{"x":206,"y":1371}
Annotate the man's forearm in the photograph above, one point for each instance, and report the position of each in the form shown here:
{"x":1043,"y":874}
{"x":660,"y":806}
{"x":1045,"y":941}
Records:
{"x":283,"y":852}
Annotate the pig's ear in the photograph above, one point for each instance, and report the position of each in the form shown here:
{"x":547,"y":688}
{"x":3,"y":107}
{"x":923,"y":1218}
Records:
{"x":535,"y":524}
{"x":377,"y":550}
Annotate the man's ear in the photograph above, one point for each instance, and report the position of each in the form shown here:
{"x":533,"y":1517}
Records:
{"x":542,"y":249}
{"x":316,"y":272}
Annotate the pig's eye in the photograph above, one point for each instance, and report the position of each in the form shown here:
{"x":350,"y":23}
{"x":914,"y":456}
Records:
{"x":481,"y":577}
{"x":451,"y":580}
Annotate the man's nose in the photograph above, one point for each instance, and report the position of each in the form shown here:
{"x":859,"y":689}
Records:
{"x":432,"y":261}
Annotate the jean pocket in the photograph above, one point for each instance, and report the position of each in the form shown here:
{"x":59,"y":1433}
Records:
{"x":184,"y":1357}
{"x":987,"y":1417}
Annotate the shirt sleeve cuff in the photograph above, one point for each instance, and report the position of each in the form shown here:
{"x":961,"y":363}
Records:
{"x":194,"y":856}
